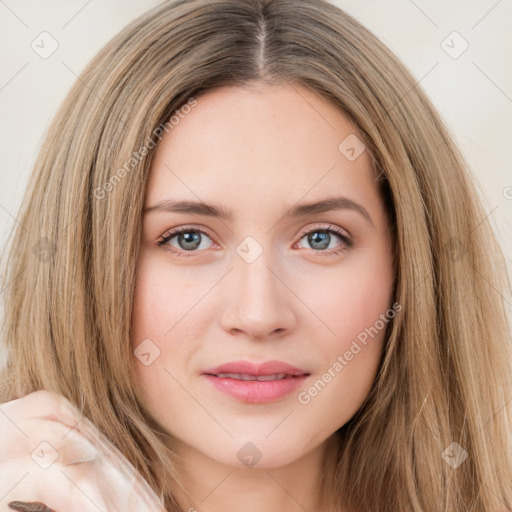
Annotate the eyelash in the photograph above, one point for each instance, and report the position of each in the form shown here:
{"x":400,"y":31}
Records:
{"x":344,"y":246}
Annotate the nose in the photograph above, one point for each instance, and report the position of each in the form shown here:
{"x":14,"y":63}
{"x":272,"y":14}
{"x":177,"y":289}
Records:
{"x":259,"y":302}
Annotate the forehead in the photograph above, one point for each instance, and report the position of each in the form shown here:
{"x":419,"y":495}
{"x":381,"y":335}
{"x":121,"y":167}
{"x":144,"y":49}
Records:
{"x":259,"y":144}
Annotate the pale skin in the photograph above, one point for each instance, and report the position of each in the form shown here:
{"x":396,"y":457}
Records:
{"x":259,"y":152}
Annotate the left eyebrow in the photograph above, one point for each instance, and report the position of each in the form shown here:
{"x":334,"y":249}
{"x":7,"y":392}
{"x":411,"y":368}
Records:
{"x":334,"y":203}
{"x":201,"y":208}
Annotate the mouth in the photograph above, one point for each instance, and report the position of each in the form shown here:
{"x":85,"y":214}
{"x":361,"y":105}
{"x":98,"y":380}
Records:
{"x":251,"y":383}
{"x":261,"y":378}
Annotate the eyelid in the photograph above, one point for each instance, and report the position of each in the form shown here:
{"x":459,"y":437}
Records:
{"x":345,"y":236}
{"x":320,"y":226}
{"x":325,"y":226}
{"x":171,"y":233}
{"x":181,"y":229}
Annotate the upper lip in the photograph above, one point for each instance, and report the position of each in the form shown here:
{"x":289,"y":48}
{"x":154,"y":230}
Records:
{"x":248,"y":368}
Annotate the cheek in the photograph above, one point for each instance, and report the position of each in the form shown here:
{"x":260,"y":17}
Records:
{"x":154,"y":314}
{"x":358,"y":315}
{"x":356,"y":306}
{"x":351,"y":300}
{"x":162,"y":297}
{"x":167,"y":323}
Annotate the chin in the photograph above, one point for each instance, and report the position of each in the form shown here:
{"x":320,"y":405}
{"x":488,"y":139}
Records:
{"x":260,"y":453}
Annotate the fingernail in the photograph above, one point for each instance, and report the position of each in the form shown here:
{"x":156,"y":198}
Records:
{"x":29,"y":506}
{"x":76,"y":452}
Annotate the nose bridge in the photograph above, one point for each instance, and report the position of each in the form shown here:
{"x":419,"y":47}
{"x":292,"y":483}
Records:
{"x":260,"y":303}
{"x":255,"y":283}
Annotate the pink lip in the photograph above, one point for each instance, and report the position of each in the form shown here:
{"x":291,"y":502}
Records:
{"x":256,"y":391}
{"x":266,"y":368}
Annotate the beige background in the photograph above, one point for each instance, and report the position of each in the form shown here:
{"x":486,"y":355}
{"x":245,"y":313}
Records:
{"x":473,"y":90}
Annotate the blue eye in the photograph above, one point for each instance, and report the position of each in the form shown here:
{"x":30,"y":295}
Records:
{"x":190,"y":240}
{"x":320,"y":238}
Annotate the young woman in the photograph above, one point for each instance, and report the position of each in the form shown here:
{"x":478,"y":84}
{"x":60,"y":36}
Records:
{"x":252,"y":257}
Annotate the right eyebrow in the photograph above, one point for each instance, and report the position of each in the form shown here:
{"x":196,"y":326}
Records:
{"x":193,"y":207}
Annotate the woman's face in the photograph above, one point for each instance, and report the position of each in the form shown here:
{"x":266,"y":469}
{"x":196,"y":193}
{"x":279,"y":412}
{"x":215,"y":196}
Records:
{"x":268,"y":282}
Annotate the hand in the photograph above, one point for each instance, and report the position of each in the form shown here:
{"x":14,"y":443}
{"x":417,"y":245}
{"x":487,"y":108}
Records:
{"x":51,"y":455}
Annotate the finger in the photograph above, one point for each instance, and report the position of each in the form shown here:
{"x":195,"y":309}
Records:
{"x":51,"y":406}
{"x":41,"y":404}
{"x":46,"y":405}
{"x":77,"y":488}
{"x":46,"y":442}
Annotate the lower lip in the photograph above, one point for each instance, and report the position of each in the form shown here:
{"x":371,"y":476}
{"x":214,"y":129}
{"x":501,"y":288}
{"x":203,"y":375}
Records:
{"x":256,"y":391}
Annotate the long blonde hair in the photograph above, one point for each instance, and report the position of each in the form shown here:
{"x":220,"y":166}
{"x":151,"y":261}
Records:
{"x":445,"y":374}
